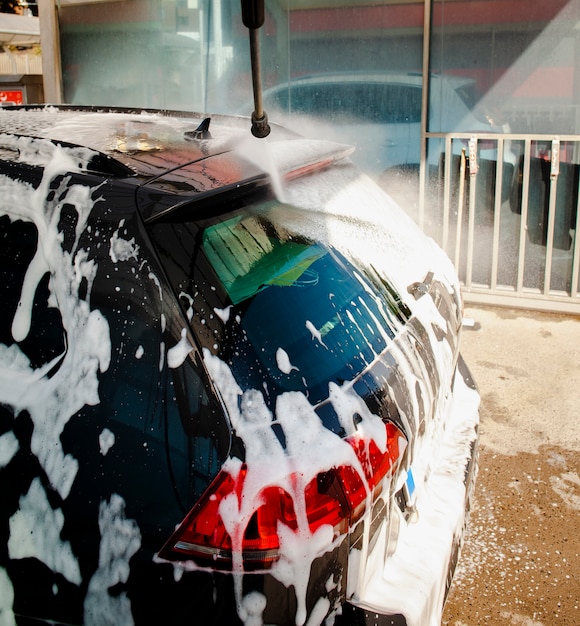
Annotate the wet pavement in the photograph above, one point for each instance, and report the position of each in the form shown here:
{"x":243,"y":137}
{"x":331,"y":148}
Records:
{"x":521,"y":560}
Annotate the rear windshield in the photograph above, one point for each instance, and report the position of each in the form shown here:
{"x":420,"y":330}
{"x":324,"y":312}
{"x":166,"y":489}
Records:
{"x":284,"y":312}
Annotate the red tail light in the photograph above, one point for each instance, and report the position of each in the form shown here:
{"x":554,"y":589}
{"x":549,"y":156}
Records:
{"x":336,"y":497}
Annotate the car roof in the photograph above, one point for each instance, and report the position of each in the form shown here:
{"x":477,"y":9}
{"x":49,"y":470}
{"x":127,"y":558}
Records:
{"x":150,"y":142}
{"x":184,"y":154}
{"x":147,"y":142}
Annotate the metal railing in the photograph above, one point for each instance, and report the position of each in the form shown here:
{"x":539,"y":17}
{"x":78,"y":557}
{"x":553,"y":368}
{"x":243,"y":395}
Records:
{"x":505,"y":208}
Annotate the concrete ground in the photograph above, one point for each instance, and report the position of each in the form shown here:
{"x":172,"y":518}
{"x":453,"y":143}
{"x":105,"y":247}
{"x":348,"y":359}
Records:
{"x":520,"y":563}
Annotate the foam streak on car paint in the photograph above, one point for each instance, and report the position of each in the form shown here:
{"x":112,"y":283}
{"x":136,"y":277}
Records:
{"x":423,"y":543}
{"x":310,"y":449}
{"x":73,"y":380}
{"x":8,"y":448}
{"x":316,"y":334}
{"x":122,"y":249}
{"x":120,"y":539}
{"x":6,"y":599}
{"x":88,"y":343}
{"x":35,"y":532}
{"x":223,"y":314}
{"x":106,"y":441}
{"x":177,"y":355}
{"x":283,"y":361}
{"x":253,"y":606}
{"x":41,"y":152}
{"x":163,"y":326}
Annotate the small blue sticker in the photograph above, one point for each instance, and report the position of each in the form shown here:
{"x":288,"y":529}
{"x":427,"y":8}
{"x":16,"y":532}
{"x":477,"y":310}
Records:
{"x":410,"y":482}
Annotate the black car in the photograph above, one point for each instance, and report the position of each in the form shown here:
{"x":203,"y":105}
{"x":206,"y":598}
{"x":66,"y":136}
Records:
{"x":222,"y":400}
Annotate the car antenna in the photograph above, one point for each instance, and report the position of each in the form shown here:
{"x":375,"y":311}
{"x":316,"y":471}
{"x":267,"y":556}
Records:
{"x":253,"y":19}
{"x":201,"y":132}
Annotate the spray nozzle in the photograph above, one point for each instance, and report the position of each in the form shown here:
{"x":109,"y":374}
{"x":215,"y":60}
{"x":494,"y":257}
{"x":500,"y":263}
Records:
{"x":260,"y":126}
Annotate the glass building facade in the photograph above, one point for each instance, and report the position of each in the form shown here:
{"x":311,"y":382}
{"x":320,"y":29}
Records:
{"x":394,"y":78}
{"x":522,"y":55}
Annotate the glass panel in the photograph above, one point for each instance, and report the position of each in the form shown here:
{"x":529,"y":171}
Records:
{"x":250,"y":266}
{"x":350,"y":72}
{"x":520,"y":59}
{"x":150,"y":53}
{"x":350,"y":99}
{"x":194,"y":55}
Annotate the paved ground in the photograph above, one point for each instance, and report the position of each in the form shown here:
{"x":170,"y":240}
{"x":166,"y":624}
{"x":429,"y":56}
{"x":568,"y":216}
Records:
{"x":521,"y":561}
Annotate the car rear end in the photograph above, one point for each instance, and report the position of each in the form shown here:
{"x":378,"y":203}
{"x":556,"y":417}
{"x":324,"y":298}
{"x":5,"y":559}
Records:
{"x":322,"y":452}
{"x":335,"y":350}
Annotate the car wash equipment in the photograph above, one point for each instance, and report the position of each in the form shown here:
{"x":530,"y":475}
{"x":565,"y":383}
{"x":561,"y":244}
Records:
{"x":253,"y":19}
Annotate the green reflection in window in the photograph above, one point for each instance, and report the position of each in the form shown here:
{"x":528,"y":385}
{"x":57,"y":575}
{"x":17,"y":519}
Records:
{"x":249,"y":254}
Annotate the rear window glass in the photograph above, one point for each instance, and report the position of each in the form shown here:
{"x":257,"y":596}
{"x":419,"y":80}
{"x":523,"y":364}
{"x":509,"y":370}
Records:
{"x":247,"y":259}
{"x":284,"y":312}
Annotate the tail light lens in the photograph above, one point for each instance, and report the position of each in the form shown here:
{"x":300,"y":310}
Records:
{"x":336,"y":497}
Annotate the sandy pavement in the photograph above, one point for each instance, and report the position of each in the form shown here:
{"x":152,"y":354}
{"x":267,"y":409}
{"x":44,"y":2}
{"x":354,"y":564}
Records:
{"x":520,"y":563}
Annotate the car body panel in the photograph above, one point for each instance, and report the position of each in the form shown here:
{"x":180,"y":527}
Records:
{"x":122,"y":397}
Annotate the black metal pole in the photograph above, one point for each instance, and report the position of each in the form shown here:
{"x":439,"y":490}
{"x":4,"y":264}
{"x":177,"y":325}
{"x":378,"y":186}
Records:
{"x":253,"y":19}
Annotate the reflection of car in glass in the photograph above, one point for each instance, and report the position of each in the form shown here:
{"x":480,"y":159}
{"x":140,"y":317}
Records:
{"x":219,"y":405}
{"x":380,"y":114}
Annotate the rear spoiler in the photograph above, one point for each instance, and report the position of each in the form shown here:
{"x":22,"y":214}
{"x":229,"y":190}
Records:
{"x":291,"y":159}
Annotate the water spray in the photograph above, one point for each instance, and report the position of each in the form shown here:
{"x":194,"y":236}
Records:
{"x":253,"y":19}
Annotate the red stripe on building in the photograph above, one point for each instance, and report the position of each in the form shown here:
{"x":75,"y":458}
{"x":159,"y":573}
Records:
{"x":476,"y":12}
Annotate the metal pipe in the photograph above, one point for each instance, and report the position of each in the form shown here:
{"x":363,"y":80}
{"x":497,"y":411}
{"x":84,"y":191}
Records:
{"x":497,"y":212}
{"x":446,"y":194}
{"x":524,"y":214}
{"x":473,"y":169}
{"x":552,"y":207}
{"x":253,"y":18}
{"x":260,"y":126}
{"x":460,"y":201}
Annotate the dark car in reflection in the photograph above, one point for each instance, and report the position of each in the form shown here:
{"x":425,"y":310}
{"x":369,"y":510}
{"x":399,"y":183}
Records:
{"x":219,"y":403}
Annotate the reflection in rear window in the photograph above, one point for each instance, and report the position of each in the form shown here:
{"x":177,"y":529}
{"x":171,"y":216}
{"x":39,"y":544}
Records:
{"x":247,"y":260}
{"x":299,"y":314}
{"x":306,"y":316}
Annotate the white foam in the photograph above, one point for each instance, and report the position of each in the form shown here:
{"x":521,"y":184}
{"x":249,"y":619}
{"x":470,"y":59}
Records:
{"x":75,"y":384}
{"x":6,"y":600}
{"x":106,"y":441}
{"x":121,"y":539}
{"x":9,"y":446}
{"x":178,"y":353}
{"x":35,"y":532}
{"x":283,"y":361}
